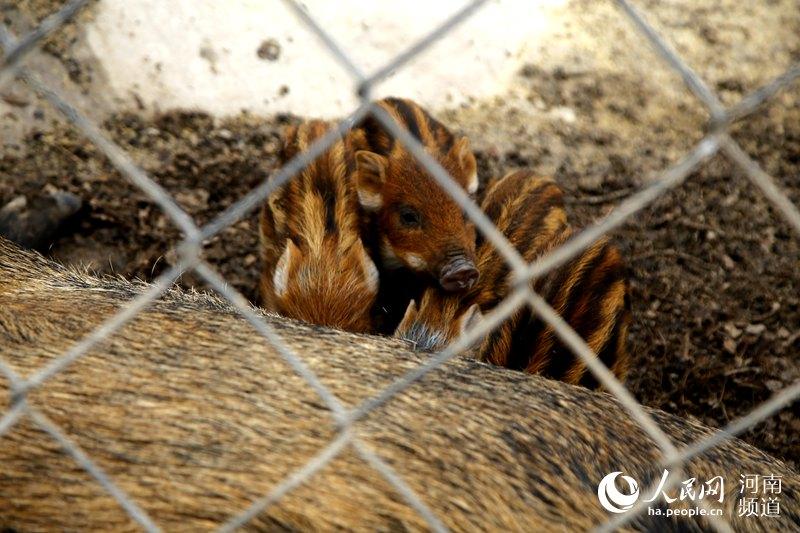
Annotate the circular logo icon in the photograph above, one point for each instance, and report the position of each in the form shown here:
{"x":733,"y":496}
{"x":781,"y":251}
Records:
{"x":612,"y":499}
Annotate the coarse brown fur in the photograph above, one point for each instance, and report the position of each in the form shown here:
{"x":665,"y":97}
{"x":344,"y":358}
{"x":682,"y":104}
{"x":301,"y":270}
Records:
{"x":419,"y":232}
{"x":194,"y":416}
{"x":529,"y":211}
{"x":315,"y":267}
{"x":590,"y":292}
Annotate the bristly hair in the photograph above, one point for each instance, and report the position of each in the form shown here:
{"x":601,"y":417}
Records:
{"x":320,"y":201}
{"x":590,"y":292}
{"x":423,"y":127}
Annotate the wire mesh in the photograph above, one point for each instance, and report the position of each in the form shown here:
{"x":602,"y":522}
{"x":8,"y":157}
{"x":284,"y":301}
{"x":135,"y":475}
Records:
{"x":717,"y":141}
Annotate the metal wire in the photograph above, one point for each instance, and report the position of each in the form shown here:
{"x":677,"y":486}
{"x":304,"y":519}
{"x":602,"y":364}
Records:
{"x":574,"y":342}
{"x":189,"y":251}
{"x":332,"y":46}
{"x":692,"y":80}
{"x":253,"y":199}
{"x":12,"y":415}
{"x":133,"y":510}
{"x":421,"y":45}
{"x":317,"y":463}
{"x":671,"y":178}
{"x":14,"y":55}
{"x":763,"y":181}
{"x":753,"y":101}
{"x":107,"y":328}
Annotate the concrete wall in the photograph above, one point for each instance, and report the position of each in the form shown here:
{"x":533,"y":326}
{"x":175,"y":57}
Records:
{"x":223,"y":57}
{"x":228,"y":56}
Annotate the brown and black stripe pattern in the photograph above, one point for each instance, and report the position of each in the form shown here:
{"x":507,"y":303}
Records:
{"x":590,"y":292}
{"x":416,"y":232}
{"x":529,"y":211}
{"x":426,"y":129}
{"x":310,"y":238}
{"x":320,"y":200}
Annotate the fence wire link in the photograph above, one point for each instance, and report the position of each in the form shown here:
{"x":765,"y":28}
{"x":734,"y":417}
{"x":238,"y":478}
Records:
{"x":717,"y":141}
{"x":15,"y":54}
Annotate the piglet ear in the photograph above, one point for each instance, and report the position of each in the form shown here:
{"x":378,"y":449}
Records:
{"x":280,"y":278}
{"x":469,"y":319}
{"x":462,"y":152}
{"x":370,"y":178}
{"x":408,"y":320}
{"x":370,"y":270}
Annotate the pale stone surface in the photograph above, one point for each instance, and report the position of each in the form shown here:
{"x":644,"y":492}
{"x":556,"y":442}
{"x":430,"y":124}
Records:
{"x":224,"y":57}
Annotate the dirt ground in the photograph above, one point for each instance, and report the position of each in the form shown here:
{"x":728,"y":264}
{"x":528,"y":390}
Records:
{"x":715,"y":271}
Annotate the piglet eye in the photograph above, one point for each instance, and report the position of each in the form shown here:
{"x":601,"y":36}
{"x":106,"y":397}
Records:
{"x":410,"y":217}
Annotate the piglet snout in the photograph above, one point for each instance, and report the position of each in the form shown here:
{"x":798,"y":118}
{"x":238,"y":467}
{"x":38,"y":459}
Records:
{"x":458,"y":275}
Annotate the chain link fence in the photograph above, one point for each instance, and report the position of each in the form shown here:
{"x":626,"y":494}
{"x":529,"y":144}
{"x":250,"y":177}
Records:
{"x":716,"y":141}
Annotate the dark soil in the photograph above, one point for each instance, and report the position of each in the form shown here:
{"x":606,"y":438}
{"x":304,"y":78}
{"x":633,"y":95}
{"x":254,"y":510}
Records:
{"x":714,"y":270}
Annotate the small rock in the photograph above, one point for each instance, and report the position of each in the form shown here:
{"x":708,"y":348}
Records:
{"x":193,"y":200}
{"x":17,"y":204}
{"x":14,"y":99}
{"x":755,"y":329}
{"x":208,"y":53}
{"x":773,"y":385}
{"x":192,"y":137}
{"x":732,"y":331}
{"x":591,"y":183}
{"x":729,"y":345}
{"x":529,"y":71}
{"x":730,"y":199}
{"x":783,"y":333}
{"x":249,"y":259}
{"x":34,"y":222}
{"x":171,"y":256}
{"x":269,"y":50}
{"x":564,"y":113}
{"x":728,"y":263}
